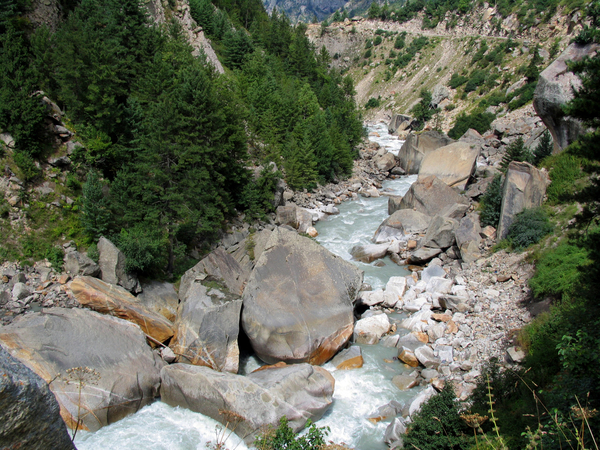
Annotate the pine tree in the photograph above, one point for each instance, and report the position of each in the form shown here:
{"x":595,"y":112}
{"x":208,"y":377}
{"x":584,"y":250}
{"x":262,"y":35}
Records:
{"x":516,"y":151}
{"x":543,"y":149}
{"x":96,"y":214}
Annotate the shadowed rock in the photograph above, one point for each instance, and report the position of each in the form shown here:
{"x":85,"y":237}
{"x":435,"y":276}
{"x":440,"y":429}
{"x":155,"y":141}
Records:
{"x":29,"y":413}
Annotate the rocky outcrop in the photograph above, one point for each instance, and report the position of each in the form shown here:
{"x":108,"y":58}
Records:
{"x":350,"y":358}
{"x":298,"y":302}
{"x":468,"y":238}
{"x":117,"y":368}
{"x":555,"y":89}
{"x":29,"y":413}
{"x":440,"y":233}
{"x":453,"y":164}
{"x":417,"y":146}
{"x":429,"y":195}
{"x":116,"y":301}
{"x":249,"y":403}
{"x":207,"y":328}
{"x":524,"y":187}
{"x":112,"y":266}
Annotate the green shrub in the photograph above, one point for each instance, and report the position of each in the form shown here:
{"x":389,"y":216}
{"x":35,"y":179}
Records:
{"x":372,"y":103}
{"x":480,"y":121}
{"x":55,"y":256}
{"x":565,"y":171}
{"x":27,"y":168}
{"x":528,"y":228}
{"x":558,"y":270}
{"x":399,"y":43}
{"x":368,"y":54}
{"x":283,"y":437}
{"x":491,"y":203}
{"x":457,"y":80}
{"x":93,"y":253}
{"x":378,"y":40}
{"x":143,"y":248}
{"x":543,"y":149}
{"x":438,"y":425}
{"x":478,"y":77}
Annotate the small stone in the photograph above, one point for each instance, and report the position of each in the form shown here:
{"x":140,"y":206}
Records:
{"x":404,"y":382}
{"x":64,"y":278}
{"x":515,"y":354}
{"x":408,"y":357}
{"x":504,"y":278}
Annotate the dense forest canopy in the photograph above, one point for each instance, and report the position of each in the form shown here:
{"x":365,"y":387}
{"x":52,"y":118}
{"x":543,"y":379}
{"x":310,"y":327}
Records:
{"x":167,"y":141}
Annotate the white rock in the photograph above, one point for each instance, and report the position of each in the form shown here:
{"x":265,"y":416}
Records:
{"x":426,"y":357}
{"x":370,"y":330}
{"x":432,"y":271}
{"x":415,"y":305}
{"x":439,"y":285}
{"x":371,"y":298}
{"x":445,"y":353}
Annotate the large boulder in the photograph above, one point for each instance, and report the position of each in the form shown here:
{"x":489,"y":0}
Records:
{"x":118,"y":371}
{"x":453,"y":164}
{"x":207,"y":328}
{"x":250,"y":403}
{"x":79,"y":264}
{"x":112,"y":266}
{"x":368,"y":253}
{"x":116,"y":301}
{"x":161,"y":298}
{"x":298,"y":302}
{"x":403,"y":221}
{"x":468,"y":237}
{"x":399,"y":122}
{"x":29,"y":413}
{"x":524,"y":187}
{"x":429,"y":195}
{"x":370,"y":329}
{"x":440,"y":233}
{"x":554,"y":89}
{"x":416,"y":146}
{"x":386,"y":162}
{"x":220,"y":265}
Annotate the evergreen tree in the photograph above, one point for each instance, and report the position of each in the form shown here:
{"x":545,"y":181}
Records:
{"x":374,"y":10}
{"x":543,"y":149}
{"x":491,"y":202}
{"x":516,"y":151}
{"x":96,"y":215}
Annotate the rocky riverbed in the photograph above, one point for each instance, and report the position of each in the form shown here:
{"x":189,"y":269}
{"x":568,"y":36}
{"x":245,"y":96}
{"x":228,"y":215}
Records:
{"x":458,"y":306}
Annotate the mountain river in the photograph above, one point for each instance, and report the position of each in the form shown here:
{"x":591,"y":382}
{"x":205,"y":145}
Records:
{"x":358,"y":392}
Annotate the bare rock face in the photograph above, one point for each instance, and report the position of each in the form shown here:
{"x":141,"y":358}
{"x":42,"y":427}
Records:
{"x":299,"y":392}
{"x":220,"y":265}
{"x":417,"y":146}
{"x":207,"y":328}
{"x":57,"y":340}
{"x":29,"y":413}
{"x":554,"y":89}
{"x":298,"y":302}
{"x":429,"y":195}
{"x":112,"y":266}
{"x":116,"y":301}
{"x":453,"y":164}
{"x":524,"y":187}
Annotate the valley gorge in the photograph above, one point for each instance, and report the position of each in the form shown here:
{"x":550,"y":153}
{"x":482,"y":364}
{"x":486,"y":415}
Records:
{"x":202,"y":270}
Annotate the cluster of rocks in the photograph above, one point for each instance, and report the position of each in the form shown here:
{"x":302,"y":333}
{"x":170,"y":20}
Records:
{"x":298,"y":308}
{"x":24,"y":289}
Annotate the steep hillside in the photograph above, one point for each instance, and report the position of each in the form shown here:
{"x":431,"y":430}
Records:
{"x":385,"y":67}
